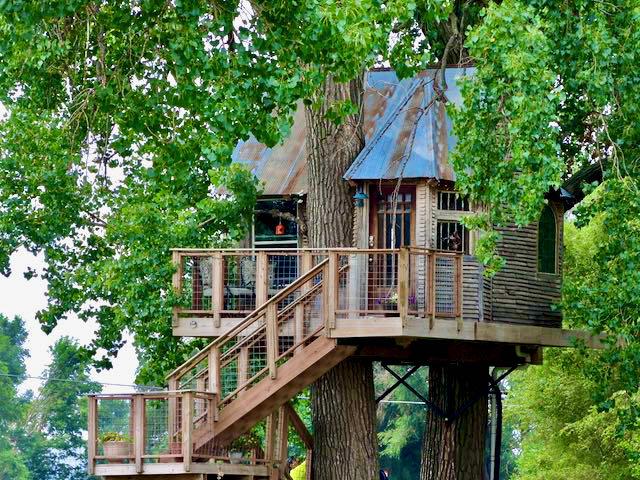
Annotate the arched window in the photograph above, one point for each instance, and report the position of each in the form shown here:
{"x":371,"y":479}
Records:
{"x":547,"y":238}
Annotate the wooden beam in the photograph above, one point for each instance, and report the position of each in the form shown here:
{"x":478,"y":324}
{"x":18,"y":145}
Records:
{"x":299,"y":426}
{"x":214,"y":372}
{"x":373,"y":327}
{"x":217,"y":287}
{"x":187,"y":430}
{"x":176,"y":281}
{"x":243,"y":365}
{"x":283,"y":440}
{"x":271,"y":320}
{"x":262,"y":278}
{"x":92,"y":432}
{"x":138,"y":436}
{"x":330,"y":288}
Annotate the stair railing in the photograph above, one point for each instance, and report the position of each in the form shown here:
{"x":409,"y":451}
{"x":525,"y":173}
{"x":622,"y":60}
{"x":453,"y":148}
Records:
{"x":265,"y":339}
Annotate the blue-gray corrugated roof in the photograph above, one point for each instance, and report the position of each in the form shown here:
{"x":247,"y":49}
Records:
{"x":407,"y":133}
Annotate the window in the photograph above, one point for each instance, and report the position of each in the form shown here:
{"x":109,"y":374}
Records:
{"x":452,"y":201}
{"x":452,"y":236}
{"x":547,"y":238}
{"x":275,"y":223}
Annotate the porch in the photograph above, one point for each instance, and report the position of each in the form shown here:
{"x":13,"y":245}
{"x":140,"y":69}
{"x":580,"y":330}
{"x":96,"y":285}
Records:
{"x":410,"y":293}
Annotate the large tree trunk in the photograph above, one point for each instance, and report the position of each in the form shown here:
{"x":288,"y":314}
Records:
{"x":454,"y":450}
{"x":345,"y":443}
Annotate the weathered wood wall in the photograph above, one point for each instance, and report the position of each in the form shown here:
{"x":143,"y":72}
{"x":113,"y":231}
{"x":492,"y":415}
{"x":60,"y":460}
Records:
{"x":519,"y":293}
{"x":472,"y":285}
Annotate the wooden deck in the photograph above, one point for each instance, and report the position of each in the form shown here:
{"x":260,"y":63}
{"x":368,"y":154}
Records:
{"x":281,"y":320}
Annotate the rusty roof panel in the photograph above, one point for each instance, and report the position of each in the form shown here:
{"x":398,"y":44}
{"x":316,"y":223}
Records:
{"x":407,"y":134}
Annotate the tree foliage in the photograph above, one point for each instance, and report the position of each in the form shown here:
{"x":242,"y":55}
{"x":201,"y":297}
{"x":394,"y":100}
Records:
{"x":41,"y":437}
{"x":121,"y":120}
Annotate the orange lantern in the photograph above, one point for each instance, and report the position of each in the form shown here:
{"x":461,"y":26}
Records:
{"x":280,"y":228}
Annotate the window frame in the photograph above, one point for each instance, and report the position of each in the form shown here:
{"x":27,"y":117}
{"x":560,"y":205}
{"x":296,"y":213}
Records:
{"x":450,"y":216}
{"x":556,"y":243}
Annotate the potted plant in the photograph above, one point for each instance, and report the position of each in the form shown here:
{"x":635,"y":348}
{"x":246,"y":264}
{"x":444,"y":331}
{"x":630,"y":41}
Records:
{"x":116,"y":445}
{"x":241,"y":445}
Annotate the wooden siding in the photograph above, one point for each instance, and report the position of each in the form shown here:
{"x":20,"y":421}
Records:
{"x":472,"y":285}
{"x":519,"y":293}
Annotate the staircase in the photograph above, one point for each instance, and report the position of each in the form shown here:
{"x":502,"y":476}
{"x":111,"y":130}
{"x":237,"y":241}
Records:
{"x":261,"y":364}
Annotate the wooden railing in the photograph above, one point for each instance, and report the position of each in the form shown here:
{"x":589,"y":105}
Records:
{"x":267,"y":337}
{"x":223,"y":284}
{"x":174,"y":427}
{"x":151,"y":427}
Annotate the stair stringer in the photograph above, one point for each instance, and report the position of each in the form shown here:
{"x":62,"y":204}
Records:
{"x":269,"y":394}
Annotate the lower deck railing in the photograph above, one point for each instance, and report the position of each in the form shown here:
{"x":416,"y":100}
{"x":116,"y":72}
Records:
{"x":173,"y":428}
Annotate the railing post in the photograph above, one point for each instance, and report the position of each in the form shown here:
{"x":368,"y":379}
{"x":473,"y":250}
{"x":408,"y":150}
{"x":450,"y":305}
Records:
{"x":330,"y":281}
{"x":432,"y":289}
{"x":92,"y":431}
{"x":262,"y":278}
{"x":214,"y":372}
{"x":403,"y":284}
{"x":173,"y":407}
{"x":138,"y":436}
{"x":187,"y":427}
{"x":176,"y":281}
{"x":243,"y":365}
{"x":272,"y":337}
{"x":217,"y":287}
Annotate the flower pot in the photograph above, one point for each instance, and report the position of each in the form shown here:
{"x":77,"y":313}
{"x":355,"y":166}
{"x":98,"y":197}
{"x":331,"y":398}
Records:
{"x":235,"y":457}
{"x":115,"y":449}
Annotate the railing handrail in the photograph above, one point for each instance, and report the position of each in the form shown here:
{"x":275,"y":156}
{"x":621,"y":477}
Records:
{"x":249,"y":319}
{"x":314,"y":250}
{"x":159,"y":393}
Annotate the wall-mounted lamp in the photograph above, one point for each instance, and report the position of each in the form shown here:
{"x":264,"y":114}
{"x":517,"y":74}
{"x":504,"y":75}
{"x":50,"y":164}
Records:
{"x":360,"y":197}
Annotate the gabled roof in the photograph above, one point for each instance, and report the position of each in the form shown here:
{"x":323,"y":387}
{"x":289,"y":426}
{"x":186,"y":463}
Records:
{"x":407,"y":133}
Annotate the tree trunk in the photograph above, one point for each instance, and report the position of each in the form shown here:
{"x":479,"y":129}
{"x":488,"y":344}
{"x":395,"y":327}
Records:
{"x":345,"y":443}
{"x":454,"y":450}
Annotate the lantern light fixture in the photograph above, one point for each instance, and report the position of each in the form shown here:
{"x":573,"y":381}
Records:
{"x":360,"y":197}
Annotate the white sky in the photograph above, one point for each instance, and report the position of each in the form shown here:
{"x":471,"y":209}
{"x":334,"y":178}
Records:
{"x":22,"y":297}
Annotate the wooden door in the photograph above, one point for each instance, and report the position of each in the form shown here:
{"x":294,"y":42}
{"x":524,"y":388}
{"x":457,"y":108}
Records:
{"x":392,"y":225}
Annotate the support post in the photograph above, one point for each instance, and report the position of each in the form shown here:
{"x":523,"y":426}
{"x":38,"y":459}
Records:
{"x":176,"y":282}
{"x":217,"y":287}
{"x":270,"y":434}
{"x":214,"y":372}
{"x":272,"y":338}
{"x":262,"y":278}
{"x":138,"y":436}
{"x":330,"y":280}
{"x":92,"y":434}
{"x":187,"y":428}
{"x":283,"y":434}
{"x":432,"y":290}
{"x":173,"y":409}
{"x":299,"y":333}
{"x":403,"y":285}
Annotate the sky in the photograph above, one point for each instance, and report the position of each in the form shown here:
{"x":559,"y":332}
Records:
{"x":24,"y":298}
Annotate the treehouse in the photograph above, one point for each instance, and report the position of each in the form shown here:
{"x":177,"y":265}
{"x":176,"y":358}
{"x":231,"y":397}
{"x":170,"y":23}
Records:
{"x":280,"y":314}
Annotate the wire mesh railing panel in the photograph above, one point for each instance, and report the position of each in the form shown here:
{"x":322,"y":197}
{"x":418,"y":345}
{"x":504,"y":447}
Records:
{"x":419,"y":264}
{"x":367,"y":284}
{"x":161,"y":433}
{"x":283,"y":269}
{"x":114,"y":429}
{"x":445,"y":285}
{"x":197,"y":281}
{"x":240,"y":282}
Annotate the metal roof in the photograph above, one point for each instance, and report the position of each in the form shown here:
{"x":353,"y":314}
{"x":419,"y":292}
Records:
{"x":407,"y":133}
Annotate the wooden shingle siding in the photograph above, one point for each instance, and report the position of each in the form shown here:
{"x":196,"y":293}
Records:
{"x":519,"y":293}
